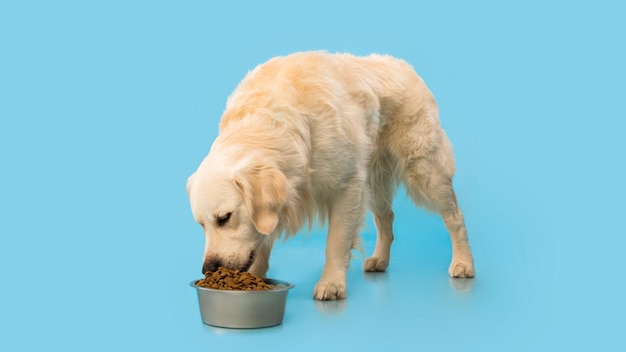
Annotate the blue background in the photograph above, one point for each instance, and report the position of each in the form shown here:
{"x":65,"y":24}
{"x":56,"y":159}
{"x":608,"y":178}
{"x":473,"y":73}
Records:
{"x":106,"y":108}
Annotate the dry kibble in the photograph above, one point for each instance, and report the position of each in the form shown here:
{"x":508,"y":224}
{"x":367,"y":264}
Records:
{"x":225,"y":279}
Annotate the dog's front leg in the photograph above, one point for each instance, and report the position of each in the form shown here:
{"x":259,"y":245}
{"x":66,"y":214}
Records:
{"x":346,"y":214}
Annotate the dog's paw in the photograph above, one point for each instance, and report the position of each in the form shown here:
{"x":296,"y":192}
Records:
{"x":376,"y":264}
{"x":325,"y":291}
{"x":461,"y":269}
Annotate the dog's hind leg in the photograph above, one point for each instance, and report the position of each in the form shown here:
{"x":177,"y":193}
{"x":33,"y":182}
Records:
{"x":429,"y":184}
{"x":462,"y":264}
{"x":382,"y":189}
{"x":346,"y":214}
{"x":425,"y":163}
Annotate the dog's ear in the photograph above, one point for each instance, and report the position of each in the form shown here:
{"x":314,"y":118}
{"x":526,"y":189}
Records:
{"x":264,"y":191}
{"x":189,"y":182}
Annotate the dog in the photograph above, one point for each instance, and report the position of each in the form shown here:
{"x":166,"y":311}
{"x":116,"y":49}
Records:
{"x":314,"y":137}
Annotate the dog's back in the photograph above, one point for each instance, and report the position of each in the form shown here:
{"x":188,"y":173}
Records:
{"x":340,"y":103}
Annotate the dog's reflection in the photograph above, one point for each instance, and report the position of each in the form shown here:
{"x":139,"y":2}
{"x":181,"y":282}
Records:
{"x":380,"y":282}
{"x":331,"y":307}
{"x":376,"y":277}
{"x":462,"y":286}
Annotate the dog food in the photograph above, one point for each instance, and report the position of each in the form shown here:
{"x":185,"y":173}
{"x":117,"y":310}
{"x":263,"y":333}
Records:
{"x":225,"y":279}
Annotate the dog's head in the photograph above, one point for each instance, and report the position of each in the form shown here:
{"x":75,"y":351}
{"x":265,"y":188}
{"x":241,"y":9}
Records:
{"x":238,"y":208}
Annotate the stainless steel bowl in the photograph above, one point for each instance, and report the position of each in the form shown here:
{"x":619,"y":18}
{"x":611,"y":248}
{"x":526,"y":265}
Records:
{"x":243,"y":309}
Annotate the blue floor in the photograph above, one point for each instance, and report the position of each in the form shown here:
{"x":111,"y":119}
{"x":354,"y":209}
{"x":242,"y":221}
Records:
{"x":106,"y":108}
{"x":509,"y":306}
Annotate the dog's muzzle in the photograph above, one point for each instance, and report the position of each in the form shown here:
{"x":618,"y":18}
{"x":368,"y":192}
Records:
{"x":212,"y":264}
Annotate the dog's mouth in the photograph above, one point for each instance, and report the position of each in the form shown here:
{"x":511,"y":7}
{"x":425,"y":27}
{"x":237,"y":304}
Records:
{"x":250,"y":261}
{"x":213,"y":264}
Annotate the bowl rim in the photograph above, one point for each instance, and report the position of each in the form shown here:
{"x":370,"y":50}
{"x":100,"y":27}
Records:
{"x":286,"y":286}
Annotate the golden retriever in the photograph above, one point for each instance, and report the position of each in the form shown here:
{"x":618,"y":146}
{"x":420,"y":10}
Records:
{"x":314,"y":137}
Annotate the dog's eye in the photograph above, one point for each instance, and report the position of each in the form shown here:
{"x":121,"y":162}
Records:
{"x":223,"y":219}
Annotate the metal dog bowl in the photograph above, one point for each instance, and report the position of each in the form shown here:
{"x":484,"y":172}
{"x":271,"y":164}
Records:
{"x":243,"y":309}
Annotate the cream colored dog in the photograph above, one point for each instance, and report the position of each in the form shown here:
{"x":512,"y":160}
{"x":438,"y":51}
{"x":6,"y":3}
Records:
{"x":316,"y":136}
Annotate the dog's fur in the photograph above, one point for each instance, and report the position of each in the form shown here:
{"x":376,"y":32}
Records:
{"x":317,"y":136}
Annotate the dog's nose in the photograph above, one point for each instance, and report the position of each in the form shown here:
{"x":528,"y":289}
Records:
{"x":210,"y":265}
